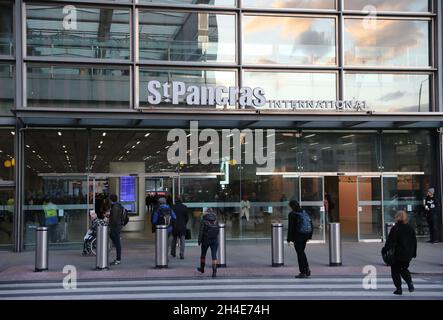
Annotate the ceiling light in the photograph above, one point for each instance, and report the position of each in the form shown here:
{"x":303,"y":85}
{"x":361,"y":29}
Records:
{"x":59,"y":133}
{"x":101,"y":142}
{"x":158,"y":152}
{"x":313,"y":144}
{"x":63,"y":146}
{"x":33,"y":151}
{"x":100,"y":147}
{"x":311,"y":135}
{"x":348,"y":136}
{"x":138,"y":142}
{"x":147,"y":135}
{"x":127,"y":151}
{"x":27,"y":146}
{"x":104,"y":134}
{"x":13,"y":133}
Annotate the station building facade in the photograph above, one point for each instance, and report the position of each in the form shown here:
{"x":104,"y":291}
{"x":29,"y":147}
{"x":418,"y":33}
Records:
{"x":346,"y":93}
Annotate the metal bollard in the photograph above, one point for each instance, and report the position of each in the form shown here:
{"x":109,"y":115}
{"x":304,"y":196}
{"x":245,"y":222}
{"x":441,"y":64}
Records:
{"x":41,"y":249}
{"x":334,"y":245}
{"x":102,"y":258}
{"x":388,"y":227}
{"x":277,"y":245}
{"x":161,"y":246}
{"x":222,"y":246}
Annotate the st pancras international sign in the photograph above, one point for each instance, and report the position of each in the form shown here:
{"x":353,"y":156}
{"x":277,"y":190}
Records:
{"x":179,"y":93}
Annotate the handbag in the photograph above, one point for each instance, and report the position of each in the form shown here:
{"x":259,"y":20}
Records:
{"x":188,"y":234}
{"x":388,"y":256}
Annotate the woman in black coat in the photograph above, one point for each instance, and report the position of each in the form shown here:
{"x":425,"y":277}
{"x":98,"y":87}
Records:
{"x":402,"y":238}
{"x":299,"y":239}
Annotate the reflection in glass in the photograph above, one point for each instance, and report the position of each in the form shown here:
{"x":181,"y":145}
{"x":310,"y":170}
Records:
{"x":222,"y":3}
{"x":189,"y":77}
{"x":6,"y":29}
{"x":369,"y":208}
{"x":77,"y":32}
{"x":293,"y":86}
{"x":7,"y":196}
{"x":391,"y":92}
{"x":289,"y":40}
{"x":83,"y":87}
{"x":388,"y":5}
{"x":6,"y":88}
{"x":387,"y":42}
{"x":186,"y":36}
{"x":296,"y":4}
{"x":7,"y":160}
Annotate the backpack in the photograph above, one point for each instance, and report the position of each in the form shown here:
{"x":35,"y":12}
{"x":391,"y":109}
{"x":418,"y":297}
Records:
{"x":210,"y":229}
{"x":304,"y":225}
{"x":164,"y":216}
{"x":124,"y":216}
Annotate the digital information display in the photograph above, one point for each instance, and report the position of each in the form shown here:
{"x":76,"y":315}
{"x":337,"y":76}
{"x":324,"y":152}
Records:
{"x":127,"y":193}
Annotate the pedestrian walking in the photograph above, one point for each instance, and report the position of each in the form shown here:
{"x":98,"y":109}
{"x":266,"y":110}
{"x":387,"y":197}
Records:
{"x":208,"y":238}
{"x":402,"y":240}
{"x":115,"y":226}
{"x":431,"y":210}
{"x":179,"y":229}
{"x":300,"y":230}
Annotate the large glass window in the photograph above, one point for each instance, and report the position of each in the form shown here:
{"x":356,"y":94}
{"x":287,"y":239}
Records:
{"x":387,"y":42}
{"x":77,"y":32}
{"x":292,"y":85}
{"x":7,"y":159}
{"x":391,"y":92}
{"x":289,"y":40}
{"x":6,"y":29}
{"x":78,"y":86}
{"x":187,"y":36}
{"x":296,"y":4}
{"x":7,"y":197}
{"x":221,"y":3}
{"x":388,"y":5}
{"x":7,"y":76}
{"x":56,"y":196}
{"x":199,"y":78}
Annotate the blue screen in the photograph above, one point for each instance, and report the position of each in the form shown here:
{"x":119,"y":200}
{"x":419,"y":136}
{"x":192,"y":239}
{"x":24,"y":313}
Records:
{"x":127,"y":193}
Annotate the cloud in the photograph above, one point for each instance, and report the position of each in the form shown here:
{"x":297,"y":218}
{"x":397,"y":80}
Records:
{"x":304,"y":4}
{"x":392,"y":96}
{"x":291,"y":27}
{"x":383,"y":5}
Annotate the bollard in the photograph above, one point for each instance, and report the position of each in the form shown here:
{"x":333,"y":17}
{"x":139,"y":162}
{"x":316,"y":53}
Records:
{"x":102,"y":258}
{"x":161,"y":246}
{"x":277,"y":244}
{"x":222,"y":246}
{"x":41,"y":249}
{"x":388,"y":227}
{"x":334,"y":245}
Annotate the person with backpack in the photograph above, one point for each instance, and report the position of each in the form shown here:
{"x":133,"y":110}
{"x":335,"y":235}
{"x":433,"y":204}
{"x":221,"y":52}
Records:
{"x":300,"y":229}
{"x":179,"y":230}
{"x":117,"y":219}
{"x":164,"y":215}
{"x":208,"y":238}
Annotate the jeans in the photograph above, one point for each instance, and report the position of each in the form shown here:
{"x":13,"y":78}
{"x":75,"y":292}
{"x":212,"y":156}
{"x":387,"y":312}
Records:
{"x":303,"y":265}
{"x":115,"y":237}
{"x":213,"y":244}
{"x":400,"y":270}
{"x":181,"y":238}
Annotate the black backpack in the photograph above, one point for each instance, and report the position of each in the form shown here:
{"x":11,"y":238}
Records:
{"x":124,"y":216}
{"x":164,"y":216}
{"x":211,"y":229}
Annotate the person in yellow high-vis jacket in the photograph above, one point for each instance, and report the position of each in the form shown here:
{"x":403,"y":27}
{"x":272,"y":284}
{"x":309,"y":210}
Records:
{"x":50,"y":218}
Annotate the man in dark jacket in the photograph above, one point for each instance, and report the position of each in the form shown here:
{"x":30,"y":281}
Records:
{"x":403,"y":239}
{"x":295,"y":219}
{"x":115,"y":226}
{"x":179,"y":230}
{"x":431,"y":211}
{"x":208,"y":238}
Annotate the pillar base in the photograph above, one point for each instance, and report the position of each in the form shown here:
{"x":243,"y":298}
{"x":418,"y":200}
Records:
{"x":335,"y":264}
{"x":101,"y":269}
{"x":40,"y":270}
{"x":221,"y":265}
{"x":161,"y":267}
{"x":278,"y":264}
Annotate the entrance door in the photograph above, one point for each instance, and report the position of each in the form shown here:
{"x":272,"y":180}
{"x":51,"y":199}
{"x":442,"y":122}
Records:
{"x":369,"y":209}
{"x":312,"y":199}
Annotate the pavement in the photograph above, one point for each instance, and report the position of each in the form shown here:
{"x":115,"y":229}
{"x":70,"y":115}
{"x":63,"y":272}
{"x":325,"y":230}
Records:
{"x":243,"y":258}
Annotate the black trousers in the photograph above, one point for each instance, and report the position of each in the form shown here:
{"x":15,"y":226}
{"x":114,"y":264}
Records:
{"x":303,"y":265}
{"x":433,"y":226}
{"x":115,"y":237}
{"x":400,"y":270}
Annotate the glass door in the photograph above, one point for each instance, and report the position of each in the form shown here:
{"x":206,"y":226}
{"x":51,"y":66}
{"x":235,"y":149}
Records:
{"x":405,"y":192}
{"x":7,"y":197}
{"x":369,"y":209}
{"x":312,"y":200}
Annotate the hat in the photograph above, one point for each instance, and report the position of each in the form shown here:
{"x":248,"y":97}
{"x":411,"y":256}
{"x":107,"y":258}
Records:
{"x":431,"y":190}
{"x":162,"y":200}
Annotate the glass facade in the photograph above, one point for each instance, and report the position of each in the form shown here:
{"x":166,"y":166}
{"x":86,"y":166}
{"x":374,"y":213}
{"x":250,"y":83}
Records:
{"x":6,"y":29}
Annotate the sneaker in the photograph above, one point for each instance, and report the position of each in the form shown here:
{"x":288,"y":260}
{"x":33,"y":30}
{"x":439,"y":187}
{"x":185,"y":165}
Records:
{"x":308,"y":273}
{"x":115,"y":262}
{"x":173,"y":255}
{"x":398,"y":292}
{"x":411,"y":287}
{"x":181,"y":257}
{"x":301,"y":276}
{"x":201,"y":270}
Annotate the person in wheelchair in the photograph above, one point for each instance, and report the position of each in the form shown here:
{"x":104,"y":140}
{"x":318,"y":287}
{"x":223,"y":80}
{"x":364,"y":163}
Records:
{"x":91,"y":234}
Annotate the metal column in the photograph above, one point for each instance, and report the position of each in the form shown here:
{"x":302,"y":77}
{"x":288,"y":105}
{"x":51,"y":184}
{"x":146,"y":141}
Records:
{"x":102,"y":258}
{"x":222,"y":246}
{"x":334,"y":244}
{"x":161,"y":246}
{"x":277,"y":245}
{"x":41,"y":249}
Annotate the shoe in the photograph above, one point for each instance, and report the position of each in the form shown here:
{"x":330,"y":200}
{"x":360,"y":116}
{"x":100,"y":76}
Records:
{"x":173,"y":255}
{"x":84,"y":254}
{"x":398,"y":292}
{"x":201,"y":270}
{"x":411,"y":287}
{"x":115,"y":262}
{"x":214,"y":272}
{"x":308,"y":273}
{"x":181,"y":257}
{"x":430,"y":241}
{"x":301,"y":276}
